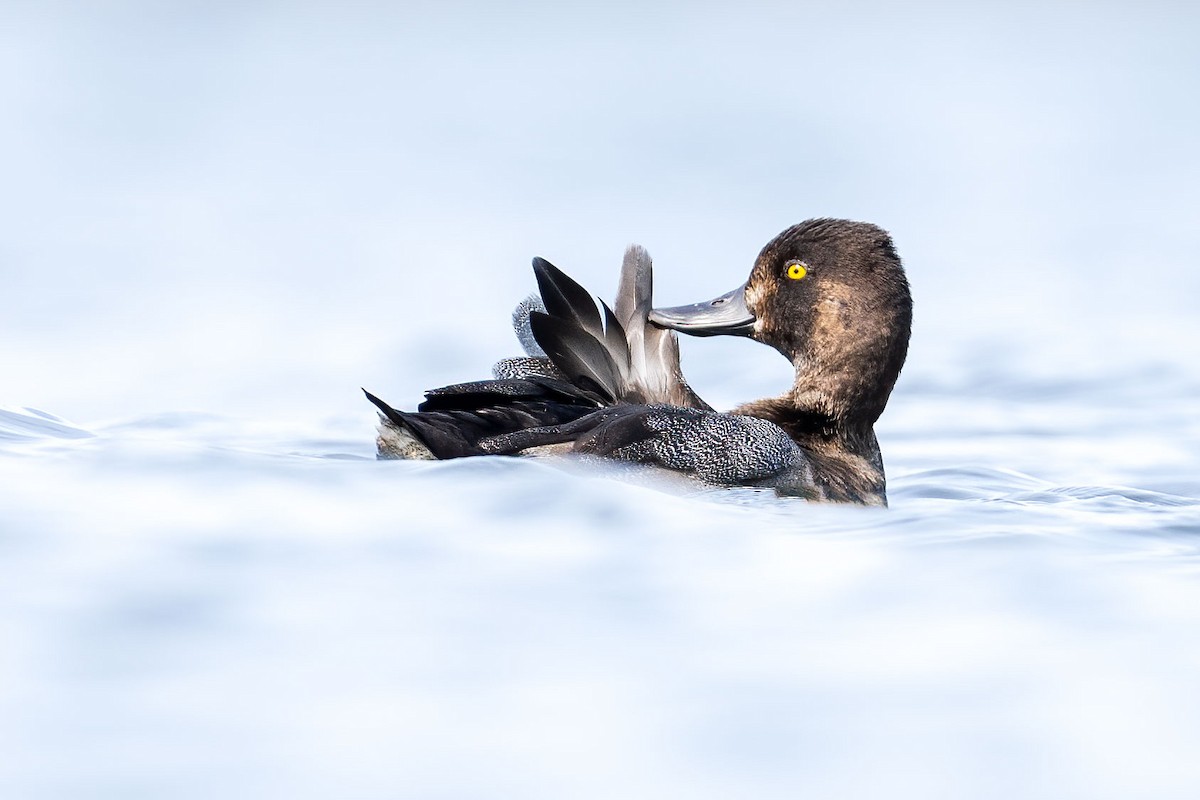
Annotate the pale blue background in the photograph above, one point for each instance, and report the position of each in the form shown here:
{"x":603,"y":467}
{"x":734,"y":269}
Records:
{"x":258,"y":207}
{"x":218,"y":220}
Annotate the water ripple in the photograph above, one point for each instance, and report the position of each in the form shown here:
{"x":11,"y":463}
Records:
{"x":28,"y":424}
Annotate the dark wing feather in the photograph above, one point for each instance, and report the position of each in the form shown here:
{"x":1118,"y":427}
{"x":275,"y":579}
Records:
{"x":566,"y":299}
{"x":578,"y":354}
{"x":584,"y":347}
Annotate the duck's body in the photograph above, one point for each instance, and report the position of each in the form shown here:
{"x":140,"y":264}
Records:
{"x":830,"y":295}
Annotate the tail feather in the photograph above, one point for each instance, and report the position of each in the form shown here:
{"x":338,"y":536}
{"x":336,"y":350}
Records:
{"x":418,"y":432}
{"x":393,"y":416}
{"x":458,"y":421}
{"x":398,"y":438}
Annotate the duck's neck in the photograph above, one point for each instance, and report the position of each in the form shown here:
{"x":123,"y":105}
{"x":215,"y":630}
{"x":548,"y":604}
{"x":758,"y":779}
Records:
{"x":811,"y":427}
{"x":845,"y":453}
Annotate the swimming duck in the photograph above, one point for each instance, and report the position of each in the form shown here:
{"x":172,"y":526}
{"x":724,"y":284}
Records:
{"x":830,"y":295}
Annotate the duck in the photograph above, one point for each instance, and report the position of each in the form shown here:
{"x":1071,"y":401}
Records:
{"x":831,"y":295}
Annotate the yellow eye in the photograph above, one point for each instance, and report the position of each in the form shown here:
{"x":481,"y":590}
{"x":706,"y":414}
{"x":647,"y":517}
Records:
{"x":797,"y":271}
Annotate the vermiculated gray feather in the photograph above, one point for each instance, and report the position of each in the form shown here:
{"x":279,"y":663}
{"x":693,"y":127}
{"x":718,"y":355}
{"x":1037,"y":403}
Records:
{"x":520,"y":322}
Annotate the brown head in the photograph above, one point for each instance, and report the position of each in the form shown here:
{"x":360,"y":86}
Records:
{"x":830,"y":295}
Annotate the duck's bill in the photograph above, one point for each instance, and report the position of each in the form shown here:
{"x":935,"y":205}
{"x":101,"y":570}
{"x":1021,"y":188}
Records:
{"x":726,"y":315}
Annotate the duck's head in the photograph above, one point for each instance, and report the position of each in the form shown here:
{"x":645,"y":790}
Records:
{"x":830,"y":295}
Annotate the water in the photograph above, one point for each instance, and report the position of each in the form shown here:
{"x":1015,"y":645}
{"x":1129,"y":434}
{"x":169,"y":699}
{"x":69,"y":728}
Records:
{"x":221,"y":221}
{"x":201,"y":606}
